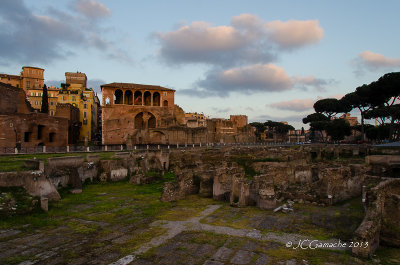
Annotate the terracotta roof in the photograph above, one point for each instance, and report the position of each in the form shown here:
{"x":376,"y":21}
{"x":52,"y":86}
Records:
{"x":136,"y":86}
{"x":9,"y":86}
{"x":13,"y":76}
{"x":32,"y":67}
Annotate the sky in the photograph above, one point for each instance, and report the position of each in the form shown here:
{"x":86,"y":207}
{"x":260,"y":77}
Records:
{"x":269,"y":60}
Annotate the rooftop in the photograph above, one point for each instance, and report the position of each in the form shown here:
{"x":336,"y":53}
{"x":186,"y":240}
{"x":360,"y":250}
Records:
{"x":136,"y":86}
{"x":32,"y":67}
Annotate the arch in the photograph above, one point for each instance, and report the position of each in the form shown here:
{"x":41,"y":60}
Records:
{"x":152,"y":122}
{"x":107,"y":100}
{"x":118,"y":96}
{"x":156,"y":99}
{"x":147,"y":98}
{"x":139,"y":123}
{"x":165,"y":103}
{"x":128,"y":97}
{"x":158,"y":137}
{"x":138,"y":98}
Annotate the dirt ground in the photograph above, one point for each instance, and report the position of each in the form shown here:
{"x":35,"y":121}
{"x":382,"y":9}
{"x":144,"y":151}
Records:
{"x":121,"y":223}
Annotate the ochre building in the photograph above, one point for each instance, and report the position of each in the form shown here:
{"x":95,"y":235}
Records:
{"x":76,"y":93}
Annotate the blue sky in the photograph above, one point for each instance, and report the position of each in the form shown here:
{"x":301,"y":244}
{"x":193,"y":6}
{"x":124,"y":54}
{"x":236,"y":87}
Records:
{"x":265,"y":59}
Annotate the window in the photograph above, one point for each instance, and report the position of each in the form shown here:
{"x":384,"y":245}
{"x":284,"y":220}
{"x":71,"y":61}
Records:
{"x":51,"y":113}
{"x":84,"y":114}
{"x":63,"y":98}
{"x":85,"y":106}
{"x":27,"y":136}
{"x":51,"y":103}
{"x":36,"y":103}
{"x":73,"y":98}
{"x":52,"y":137}
{"x":40,"y":132}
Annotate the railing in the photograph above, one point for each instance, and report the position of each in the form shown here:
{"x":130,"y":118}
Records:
{"x":70,"y":149}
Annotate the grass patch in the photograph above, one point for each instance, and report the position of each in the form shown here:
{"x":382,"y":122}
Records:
{"x":10,"y":163}
{"x":82,"y":227}
{"x":139,"y":238}
{"x":208,"y":238}
{"x":191,"y":206}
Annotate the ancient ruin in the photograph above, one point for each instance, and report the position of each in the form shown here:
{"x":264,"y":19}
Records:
{"x":145,"y":114}
{"x":275,"y":179}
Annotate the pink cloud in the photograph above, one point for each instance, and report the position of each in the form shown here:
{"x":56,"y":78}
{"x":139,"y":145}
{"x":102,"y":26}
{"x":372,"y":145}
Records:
{"x":294,"y":33}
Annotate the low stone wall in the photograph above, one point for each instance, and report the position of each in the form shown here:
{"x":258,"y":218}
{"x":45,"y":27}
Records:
{"x":386,"y":160}
{"x":381,"y":222}
{"x":34,"y":182}
{"x":65,"y":161}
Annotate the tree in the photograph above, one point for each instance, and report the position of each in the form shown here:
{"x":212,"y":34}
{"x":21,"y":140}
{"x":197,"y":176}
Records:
{"x":45,"y":101}
{"x":360,"y":99}
{"x":337,"y":129}
{"x":331,"y":106}
{"x":318,"y":122}
{"x":260,"y":128}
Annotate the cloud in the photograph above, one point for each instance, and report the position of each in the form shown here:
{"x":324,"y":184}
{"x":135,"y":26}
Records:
{"x":247,"y":39}
{"x":251,"y":79}
{"x":244,"y":80}
{"x":294,"y":33}
{"x":295,"y":104}
{"x":219,"y":110}
{"x":291,"y":118}
{"x":318,"y":84}
{"x":373,"y":62}
{"x":92,"y":9}
{"x":300,"y":105}
{"x":31,"y":38}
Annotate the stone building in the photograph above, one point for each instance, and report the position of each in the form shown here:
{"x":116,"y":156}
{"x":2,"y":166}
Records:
{"x":145,"y":114}
{"x":21,"y":127}
{"x":353,"y":121}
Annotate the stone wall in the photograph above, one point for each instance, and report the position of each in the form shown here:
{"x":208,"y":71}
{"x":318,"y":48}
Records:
{"x":381,"y":222}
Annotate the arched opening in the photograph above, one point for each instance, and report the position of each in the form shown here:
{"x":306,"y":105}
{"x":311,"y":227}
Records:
{"x":147,"y":98}
{"x":156,"y":99}
{"x":107,"y":100}
{"x":139,"y":124}
{"x":118,"y":95}
{"x":138,"y":98}
{"x":165,"y":103}
{"x":152,"y":121}
{"x":128,"y":97}
{"x":52,"y":137}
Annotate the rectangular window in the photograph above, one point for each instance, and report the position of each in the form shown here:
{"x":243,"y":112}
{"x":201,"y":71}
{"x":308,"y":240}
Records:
{"x":40,"y":132}
{"x":84,"y":114}
{"x":51,"y":103}
{"x":85,"y":106}
{"x":63,"y":98}
{"x":36,"y":103}
{"x":27,"y":136}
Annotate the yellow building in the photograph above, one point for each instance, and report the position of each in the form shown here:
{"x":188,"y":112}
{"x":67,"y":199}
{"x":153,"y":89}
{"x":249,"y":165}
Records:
{"x":194,"y":119}
{"x":76,"y":93}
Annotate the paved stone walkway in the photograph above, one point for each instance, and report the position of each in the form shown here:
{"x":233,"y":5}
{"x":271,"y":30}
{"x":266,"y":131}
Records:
{"x":193,"y":224}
